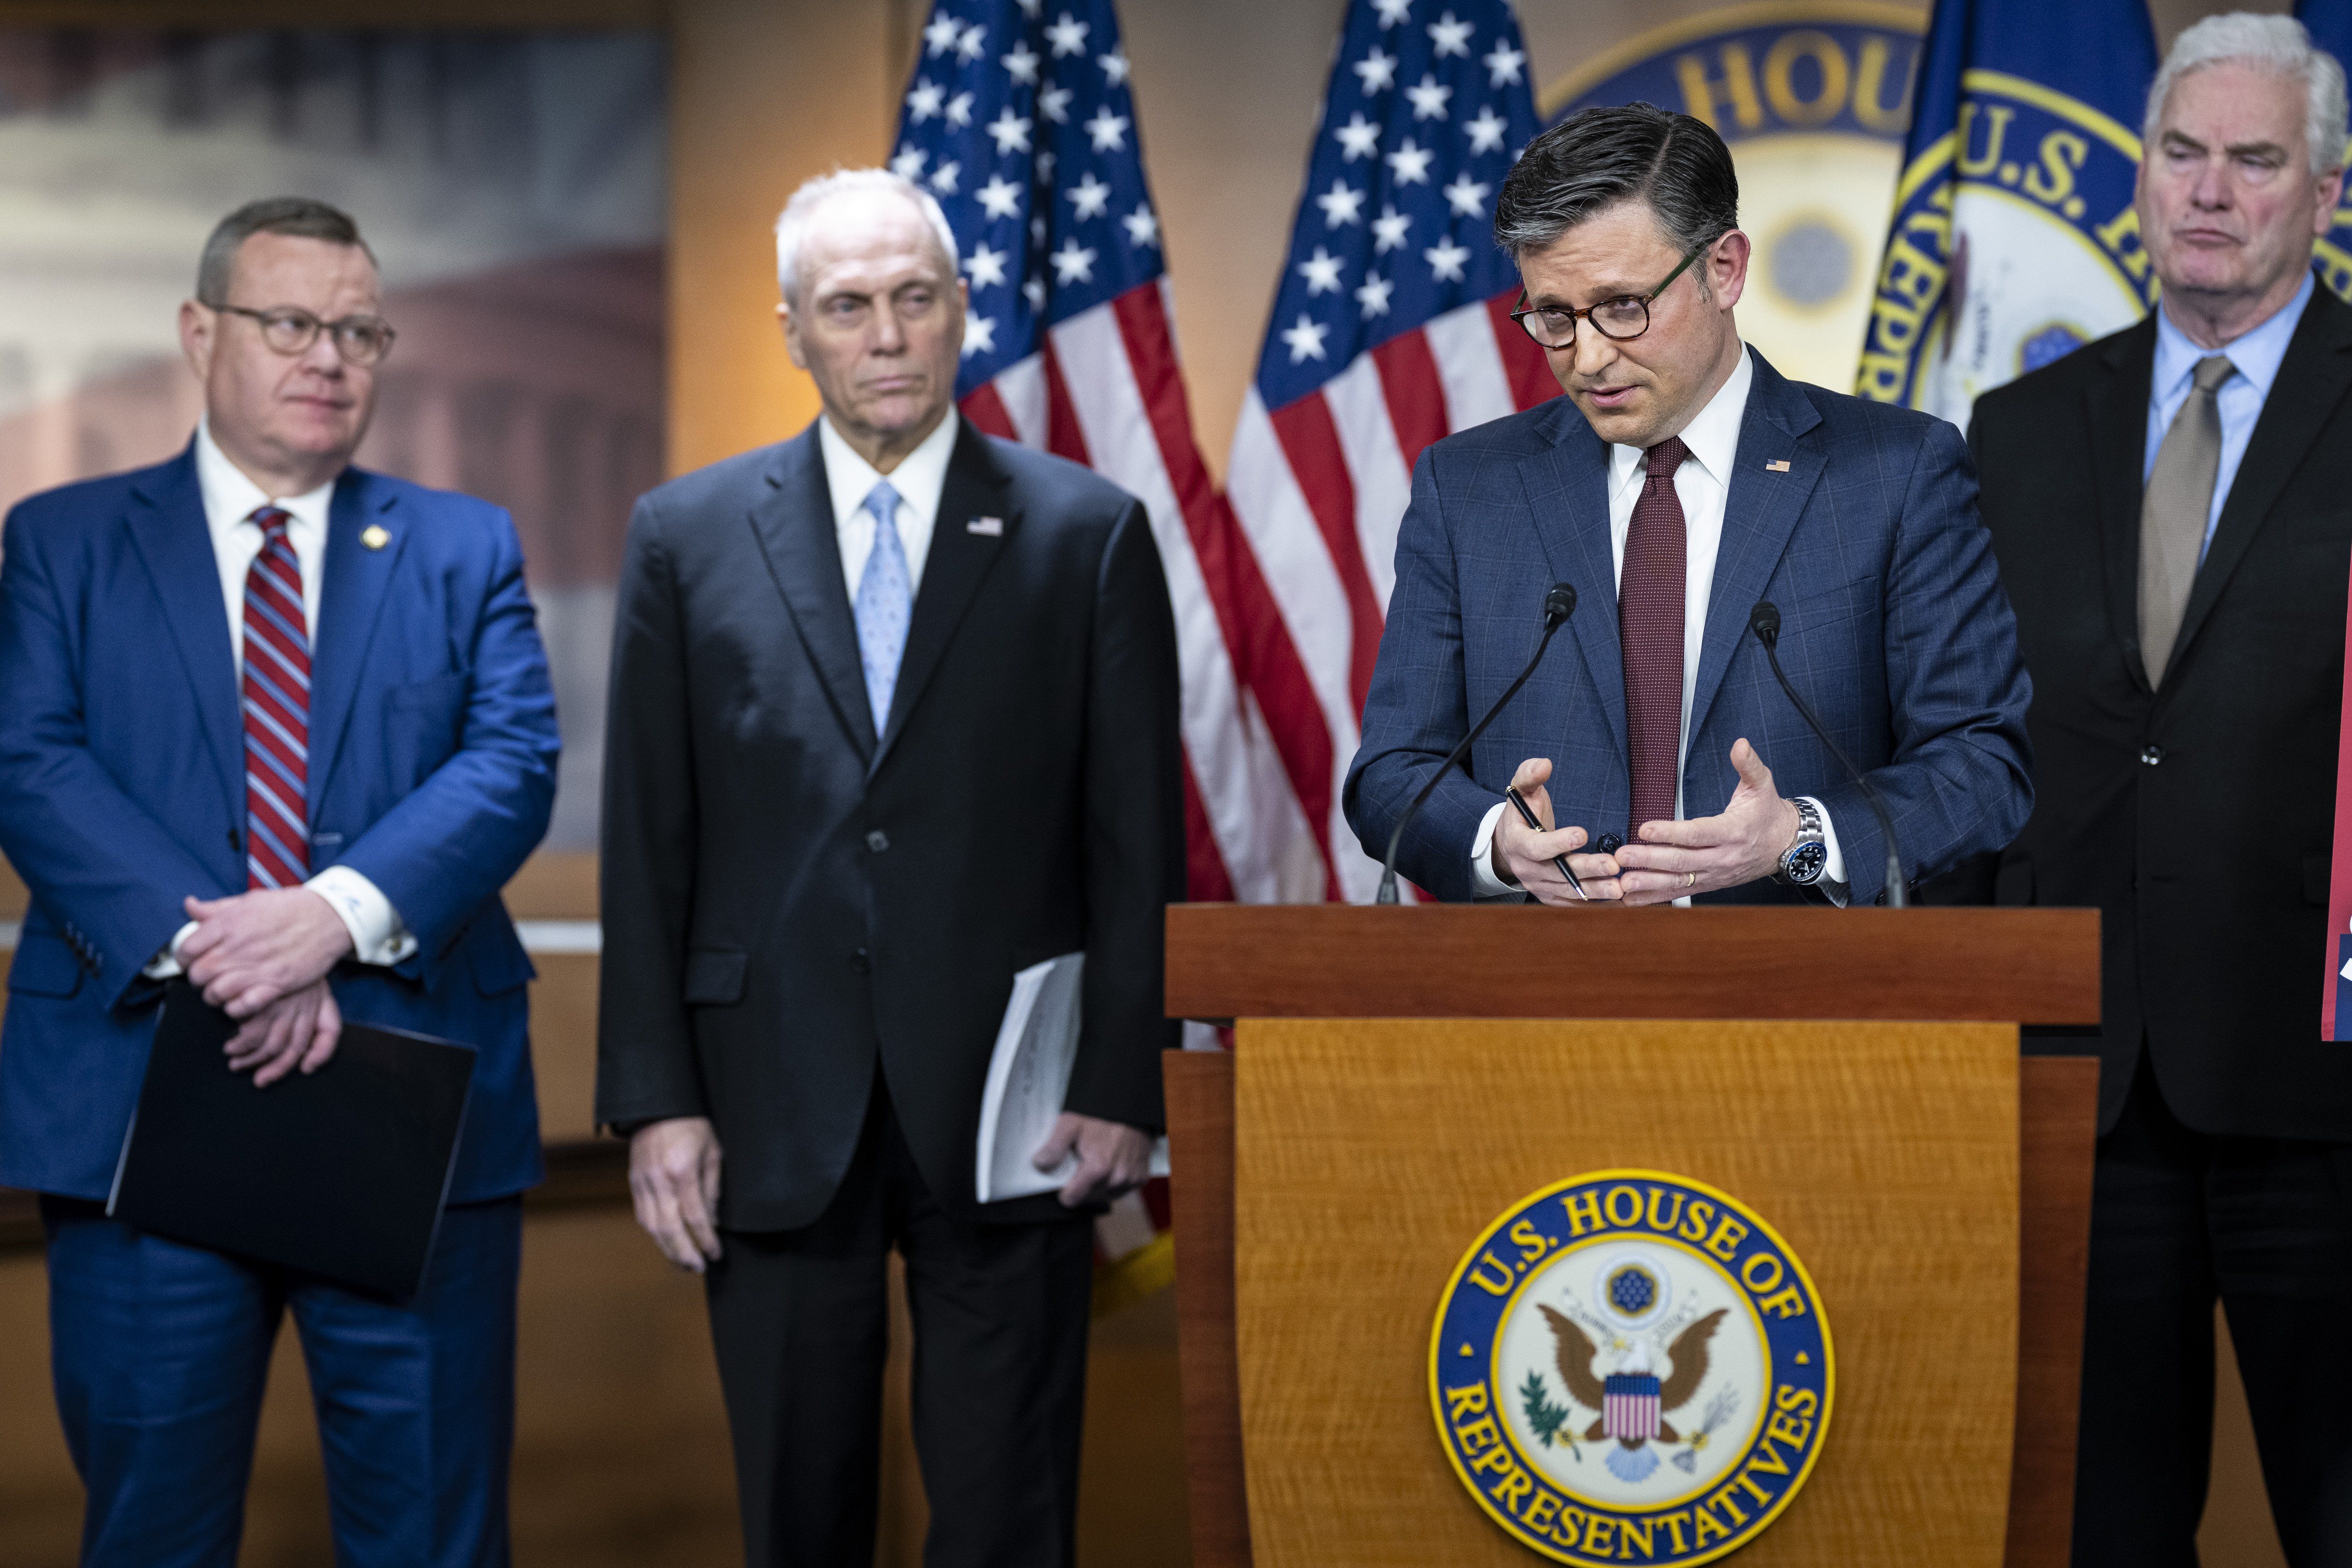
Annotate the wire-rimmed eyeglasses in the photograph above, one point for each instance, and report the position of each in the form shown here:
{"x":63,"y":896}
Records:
{"x":289,"y":330}
{"x":1624,"y":317}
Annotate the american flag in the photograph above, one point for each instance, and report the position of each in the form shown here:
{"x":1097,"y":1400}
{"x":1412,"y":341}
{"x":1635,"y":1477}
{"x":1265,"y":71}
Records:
{"x":1020,"y":119}
{"x":1390,"y":329}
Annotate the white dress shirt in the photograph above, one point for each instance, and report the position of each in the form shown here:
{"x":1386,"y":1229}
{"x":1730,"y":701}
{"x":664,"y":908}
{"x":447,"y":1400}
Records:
{"x":918,"y":478}
{"x":2254,"y":358}
{"x":230,"y":499}
{"x":1702,"y":485}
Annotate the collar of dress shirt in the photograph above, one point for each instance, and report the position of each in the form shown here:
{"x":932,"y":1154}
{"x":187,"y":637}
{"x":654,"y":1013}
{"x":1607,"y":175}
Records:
{"x":2255,"y":354}
{"x":1712,"y":436}
{"x":918,"y":478}
{"x":230,"y":497}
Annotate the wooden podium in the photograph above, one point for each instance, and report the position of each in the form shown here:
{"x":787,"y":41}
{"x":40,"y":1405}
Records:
{"x":1403,"y":1076}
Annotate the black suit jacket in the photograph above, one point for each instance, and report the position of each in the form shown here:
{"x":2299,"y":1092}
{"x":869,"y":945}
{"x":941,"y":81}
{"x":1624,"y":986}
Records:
{"x":2197,"y":817}
{"x":788,"y":897}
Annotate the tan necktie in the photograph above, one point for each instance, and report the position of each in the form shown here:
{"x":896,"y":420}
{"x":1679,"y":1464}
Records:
{"x":2173,"y":514}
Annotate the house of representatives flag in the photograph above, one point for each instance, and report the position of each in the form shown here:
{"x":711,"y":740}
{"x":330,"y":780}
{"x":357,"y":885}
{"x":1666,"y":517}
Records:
{"x":2330,"y":22}
{"x":1021,"y":119}
{"x":1390,"y":329}
{"x":2014,"y":240}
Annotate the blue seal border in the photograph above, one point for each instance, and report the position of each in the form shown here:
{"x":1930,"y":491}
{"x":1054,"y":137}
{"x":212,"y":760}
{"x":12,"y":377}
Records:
{"x":1474,"y":1317}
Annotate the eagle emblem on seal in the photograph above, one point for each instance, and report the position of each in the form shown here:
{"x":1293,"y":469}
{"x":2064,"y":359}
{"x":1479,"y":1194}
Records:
{"x":1632,"y":1401}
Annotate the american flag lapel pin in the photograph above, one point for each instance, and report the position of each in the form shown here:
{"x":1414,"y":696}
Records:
{"x":1777,"y":466}
{"x":987,"y":526}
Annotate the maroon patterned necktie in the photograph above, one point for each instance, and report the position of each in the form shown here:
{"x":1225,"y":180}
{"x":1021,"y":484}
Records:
{"x":277,"y":713}
{"x":1650,"y":630}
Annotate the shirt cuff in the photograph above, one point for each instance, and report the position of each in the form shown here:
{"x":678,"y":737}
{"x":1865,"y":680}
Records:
{"x":1484,"y":883}
{"x":378,"y":936}
{"x":1832,"y":884}
{"x":166,"y":965}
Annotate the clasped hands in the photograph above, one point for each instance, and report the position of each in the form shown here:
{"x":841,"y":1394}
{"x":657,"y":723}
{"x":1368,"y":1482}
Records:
{"x":674,"y":1177}
{"x":262,"y":957}
{"x":1667,"y":860}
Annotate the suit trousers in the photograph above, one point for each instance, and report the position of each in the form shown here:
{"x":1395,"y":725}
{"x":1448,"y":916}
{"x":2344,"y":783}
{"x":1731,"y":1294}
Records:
{"x":159,"y":1352}
{"x":2177,"y":1218}
{"x":801,"y":1322}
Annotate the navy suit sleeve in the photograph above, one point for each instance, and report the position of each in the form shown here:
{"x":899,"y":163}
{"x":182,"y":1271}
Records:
{"x":459,"y":836}
{"x":93,"y":858}
{"x":1134,"y":833}
{"x":645,"y":1067}
{"x":1417,"y":710}
{"x":1961,"y":781}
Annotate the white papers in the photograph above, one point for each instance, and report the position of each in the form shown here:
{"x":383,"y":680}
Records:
{"x":1029,"y":1079}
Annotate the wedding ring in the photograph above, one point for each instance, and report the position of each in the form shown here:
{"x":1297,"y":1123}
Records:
{"x":1690,"y":879}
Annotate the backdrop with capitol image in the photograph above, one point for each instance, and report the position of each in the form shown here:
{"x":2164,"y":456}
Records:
{"x":512,"y":185}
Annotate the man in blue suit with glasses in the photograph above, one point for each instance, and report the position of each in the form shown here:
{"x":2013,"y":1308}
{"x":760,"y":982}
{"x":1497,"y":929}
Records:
{"x":284,"y":726}
{"x":1681,"y":482}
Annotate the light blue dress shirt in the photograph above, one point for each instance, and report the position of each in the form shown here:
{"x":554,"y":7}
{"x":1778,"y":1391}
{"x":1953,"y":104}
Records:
{"x":2254,"y":358}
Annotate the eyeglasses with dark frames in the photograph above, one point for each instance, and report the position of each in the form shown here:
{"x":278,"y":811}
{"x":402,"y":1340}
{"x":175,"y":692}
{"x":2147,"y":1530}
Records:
{"x":1619,"y":320}
{"x":289,"y":330}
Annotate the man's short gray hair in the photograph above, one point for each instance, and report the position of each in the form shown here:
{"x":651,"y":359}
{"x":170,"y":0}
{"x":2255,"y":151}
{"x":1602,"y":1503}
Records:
{"x":792,"y":224}
{"x":299,"y":216}
{"x":2277,"y":44}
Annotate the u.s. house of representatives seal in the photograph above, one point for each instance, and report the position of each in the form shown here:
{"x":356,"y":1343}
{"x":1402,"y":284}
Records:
{"x":1630,"y":1366}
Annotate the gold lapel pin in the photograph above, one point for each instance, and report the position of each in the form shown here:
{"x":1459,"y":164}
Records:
{"x":376,"y":536}
{"x":1777,"y":466}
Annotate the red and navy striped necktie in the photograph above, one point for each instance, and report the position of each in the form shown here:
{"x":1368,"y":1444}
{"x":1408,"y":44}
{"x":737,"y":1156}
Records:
{"x":276,"y":712}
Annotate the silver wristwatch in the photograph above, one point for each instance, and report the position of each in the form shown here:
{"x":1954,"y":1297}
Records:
{"x":1802,"y":863}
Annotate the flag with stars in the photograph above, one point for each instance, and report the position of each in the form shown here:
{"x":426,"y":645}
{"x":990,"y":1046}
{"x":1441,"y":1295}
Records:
{"x":1390,"y":329}
{"x":1021,"y":119}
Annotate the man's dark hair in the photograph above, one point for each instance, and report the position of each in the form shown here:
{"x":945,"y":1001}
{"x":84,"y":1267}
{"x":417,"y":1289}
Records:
{"x":1597,"y":158}
{"x":296,"y":216}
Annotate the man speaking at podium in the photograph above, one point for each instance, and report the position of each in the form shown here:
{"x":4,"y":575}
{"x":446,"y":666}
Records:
{"x":1681,"y":483}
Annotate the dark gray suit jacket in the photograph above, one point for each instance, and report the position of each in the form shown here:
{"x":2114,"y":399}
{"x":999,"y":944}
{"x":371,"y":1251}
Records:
{"x":789,"y":898}
{"x":2197,"y":817}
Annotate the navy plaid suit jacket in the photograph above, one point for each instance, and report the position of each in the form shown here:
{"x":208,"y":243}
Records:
{"x":1893,"y":625}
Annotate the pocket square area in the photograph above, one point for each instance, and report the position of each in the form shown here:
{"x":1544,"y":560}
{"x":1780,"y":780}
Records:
{"x":991,"y":526}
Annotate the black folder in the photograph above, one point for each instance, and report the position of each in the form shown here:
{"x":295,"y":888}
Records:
{"x":339,"y":1173}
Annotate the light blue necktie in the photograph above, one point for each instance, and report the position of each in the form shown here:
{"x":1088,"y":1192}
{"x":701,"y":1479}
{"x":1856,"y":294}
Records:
{"x":884,"y":604}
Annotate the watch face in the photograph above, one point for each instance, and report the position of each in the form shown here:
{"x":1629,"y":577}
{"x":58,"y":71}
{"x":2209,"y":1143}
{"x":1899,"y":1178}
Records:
{"x":1804,"y":864}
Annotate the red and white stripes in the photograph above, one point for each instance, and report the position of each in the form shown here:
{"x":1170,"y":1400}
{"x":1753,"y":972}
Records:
{"x":1280,"y":593}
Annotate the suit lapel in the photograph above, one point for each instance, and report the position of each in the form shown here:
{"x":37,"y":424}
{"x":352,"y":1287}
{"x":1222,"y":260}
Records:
{"x":1759,"y":512}
{"x":167,"y":525}
{"x":793,"y":523}
{"x":2311,"y":382}
{"x":2115,"y":410}
{"x":1567,"y":493}
{"x":351,"y":589}
{"x":952,"y":570}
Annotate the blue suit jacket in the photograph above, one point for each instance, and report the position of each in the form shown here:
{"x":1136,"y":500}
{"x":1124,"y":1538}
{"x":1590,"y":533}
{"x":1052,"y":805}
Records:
{"x":432,"y":772}
{"x":1893,"y":625}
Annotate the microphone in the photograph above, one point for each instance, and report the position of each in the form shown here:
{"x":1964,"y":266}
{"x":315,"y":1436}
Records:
{"x":1559,"y":604}
{"x":1764,"y":620}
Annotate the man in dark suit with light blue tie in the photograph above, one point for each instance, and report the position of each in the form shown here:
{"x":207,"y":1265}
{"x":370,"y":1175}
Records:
{"x":285,"y":726}
{"x":1681,"y":482}
{"x":894,"y":718}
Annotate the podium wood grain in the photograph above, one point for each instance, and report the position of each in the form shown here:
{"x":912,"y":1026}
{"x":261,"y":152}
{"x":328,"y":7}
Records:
{"x":2058,"y":1113}
{"x":2058,"y":1137}
{"x":1513,"y":960}
{"x":1201,"y":1141}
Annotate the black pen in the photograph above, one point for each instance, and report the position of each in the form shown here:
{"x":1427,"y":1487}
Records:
{"x":1560,"y":862}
